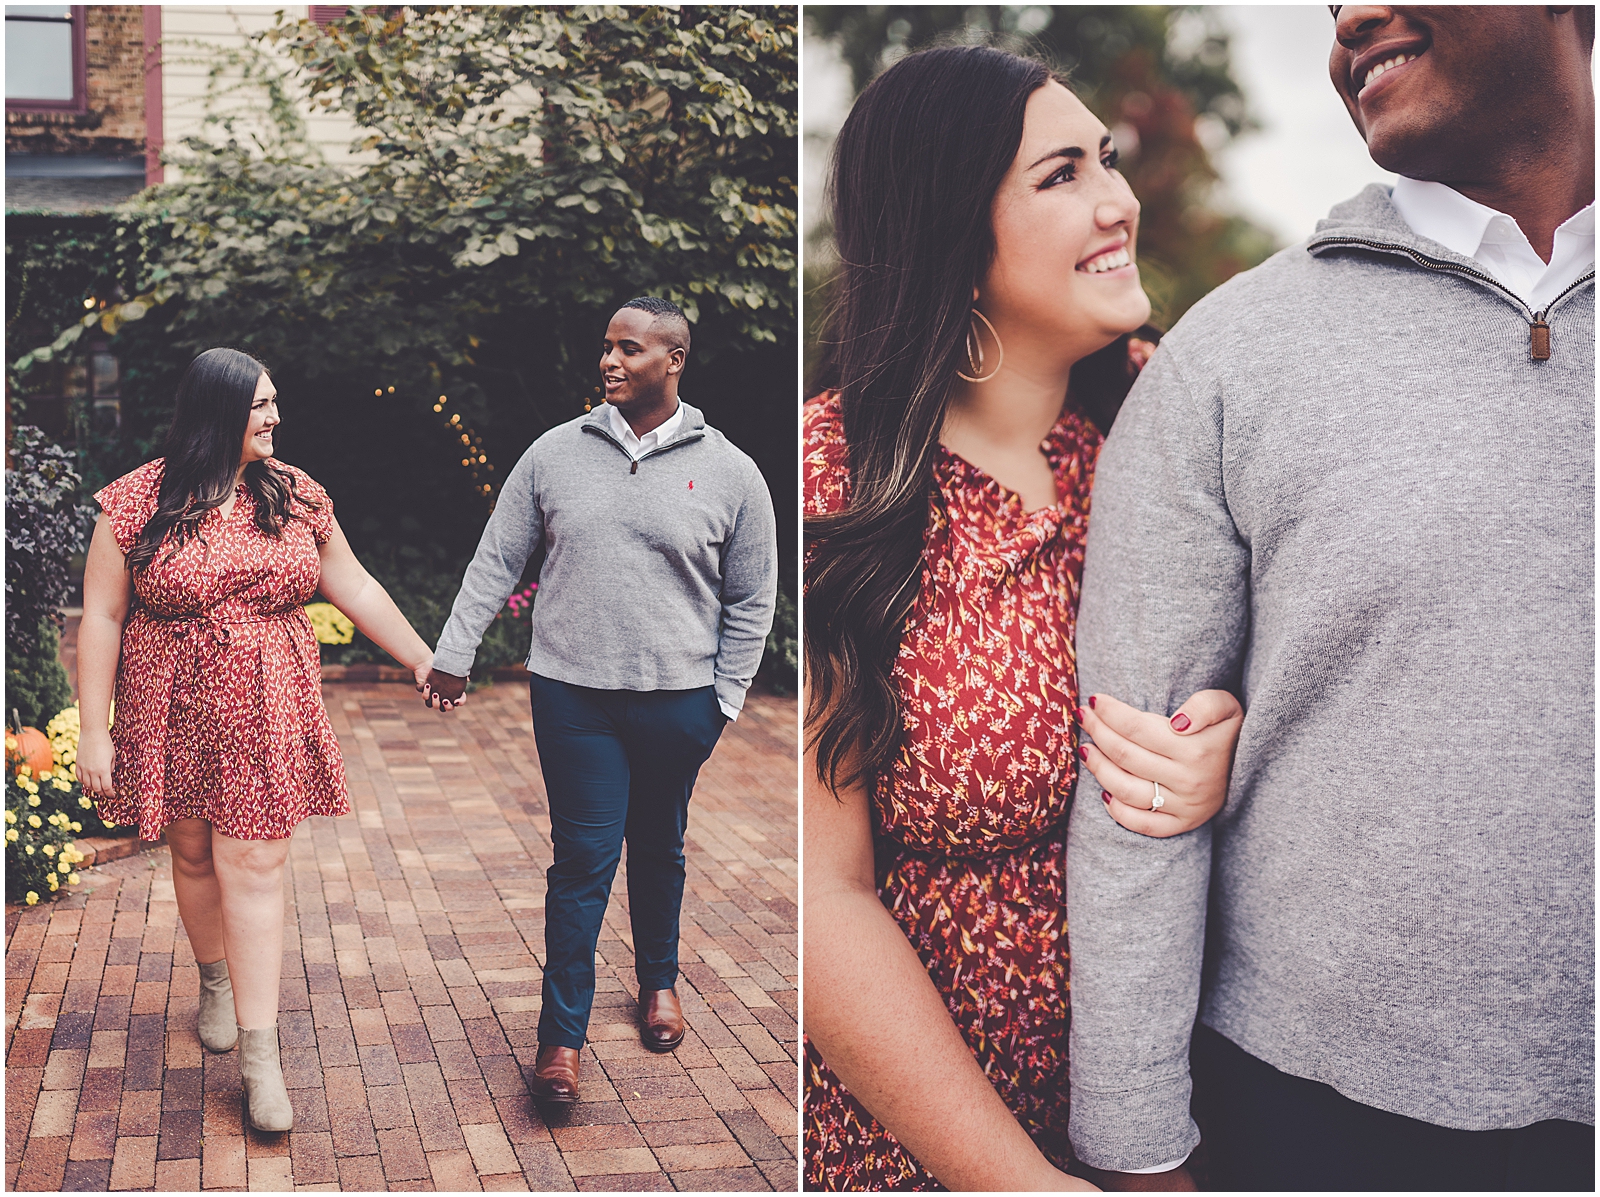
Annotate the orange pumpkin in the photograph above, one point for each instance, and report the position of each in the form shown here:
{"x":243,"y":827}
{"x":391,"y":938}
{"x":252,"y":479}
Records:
{"x":32,"y":749}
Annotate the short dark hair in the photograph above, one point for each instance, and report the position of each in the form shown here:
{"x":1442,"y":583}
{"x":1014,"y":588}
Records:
{"x":665,"y":312}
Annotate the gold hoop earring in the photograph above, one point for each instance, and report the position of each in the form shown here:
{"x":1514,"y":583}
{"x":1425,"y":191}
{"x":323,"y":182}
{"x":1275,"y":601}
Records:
{"x":975,"y":350}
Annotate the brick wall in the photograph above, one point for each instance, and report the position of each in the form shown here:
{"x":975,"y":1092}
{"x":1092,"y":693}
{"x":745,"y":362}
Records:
{"x":114,"y":123}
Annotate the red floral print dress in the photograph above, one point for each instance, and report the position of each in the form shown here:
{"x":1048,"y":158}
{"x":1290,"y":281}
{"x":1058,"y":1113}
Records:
{"x":970,"y":822}
{"x":219,"y":711}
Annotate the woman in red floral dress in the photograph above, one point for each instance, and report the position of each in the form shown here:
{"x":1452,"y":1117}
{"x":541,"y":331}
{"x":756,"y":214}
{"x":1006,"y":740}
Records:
{"x":979,"y":348}
{"x":194,"y":593}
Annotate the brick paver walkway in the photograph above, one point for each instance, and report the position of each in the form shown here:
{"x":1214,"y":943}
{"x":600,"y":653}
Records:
{"x":411,"y":990}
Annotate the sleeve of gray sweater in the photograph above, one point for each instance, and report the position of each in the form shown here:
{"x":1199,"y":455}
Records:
{"x":749,"y":593}
{"x":514,"y":531}
{"x":1164,"y":612}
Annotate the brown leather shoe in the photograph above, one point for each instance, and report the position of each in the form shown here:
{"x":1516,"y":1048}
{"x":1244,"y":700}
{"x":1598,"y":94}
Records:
{"x":555,"y":1076}
{"x":660,"y":1019}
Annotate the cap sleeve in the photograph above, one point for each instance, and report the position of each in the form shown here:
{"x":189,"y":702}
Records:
{"x":312,"y":504}
{"x":130,"y":501}
{"x":825,"y":468}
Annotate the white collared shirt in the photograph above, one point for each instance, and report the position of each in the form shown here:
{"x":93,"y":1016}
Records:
{"x":637,"y":446}
{"x":1496,"y":242}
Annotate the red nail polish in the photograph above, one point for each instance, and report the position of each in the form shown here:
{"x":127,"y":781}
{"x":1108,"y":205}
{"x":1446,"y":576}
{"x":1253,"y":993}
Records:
{"x":1079,"y":713}
{"x":1091,"y":702}
{"x":1083,"y":753}
{"x":1180,"y":722}
{"x":1105,"y":797}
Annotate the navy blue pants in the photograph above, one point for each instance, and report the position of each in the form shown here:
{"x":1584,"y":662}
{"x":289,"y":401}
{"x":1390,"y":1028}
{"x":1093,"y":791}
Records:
{"x":618,"y":765}
{"x":1268,"y":1131}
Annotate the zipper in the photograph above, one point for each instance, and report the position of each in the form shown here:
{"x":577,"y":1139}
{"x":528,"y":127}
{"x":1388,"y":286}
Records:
{"x":685,"y":439}
{"x":1539,"y":330}
{"x":1538,"y":325}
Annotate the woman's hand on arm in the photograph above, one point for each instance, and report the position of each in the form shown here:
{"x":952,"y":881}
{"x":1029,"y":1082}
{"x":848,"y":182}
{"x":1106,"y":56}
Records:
{"x":107,"y":595}
{"x":882,"y":1026}
{"x":367,"y":604}
{"x":1190,"y":754}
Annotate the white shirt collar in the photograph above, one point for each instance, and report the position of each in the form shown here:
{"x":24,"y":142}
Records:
{"x":1495,"y":241}
{"x":637,"y":446}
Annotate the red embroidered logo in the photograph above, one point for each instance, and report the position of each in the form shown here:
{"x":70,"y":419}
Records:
{"x":691,"y":484}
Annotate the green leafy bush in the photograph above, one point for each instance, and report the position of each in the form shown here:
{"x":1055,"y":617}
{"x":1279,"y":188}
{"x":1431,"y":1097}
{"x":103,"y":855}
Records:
{"x":36,"y":681}
{"x":44,"y":527}
{"x":781,"y":665}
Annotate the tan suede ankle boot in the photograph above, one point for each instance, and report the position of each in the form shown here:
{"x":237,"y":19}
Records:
{"x":219,"y":1028}
{"x":261,"y":1072}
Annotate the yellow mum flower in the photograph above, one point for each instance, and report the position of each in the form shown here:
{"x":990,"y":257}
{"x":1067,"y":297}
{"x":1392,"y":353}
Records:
{"x":64,"y":866}
{"x":45,"y":774}
{"x":11,"y":835}
{"x":33,"y":821}
{"x":77,"y":827}
{"x":31,"y":786}
{"x":22,"y":770}
{"x":32,"y":898}
{"x":62,"y":784}
{"x":33,"y":798}
{"x":72,"y":879}
{"x":28,"y":848}
{"x":11,"y":816}
{"x":330,"y":624}
{"x":49,"y":849}
{"x":86,"y":803}
{"x":54,"y":884}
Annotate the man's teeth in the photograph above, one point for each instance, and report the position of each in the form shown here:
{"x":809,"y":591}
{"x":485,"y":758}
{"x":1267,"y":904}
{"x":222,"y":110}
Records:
{"x":1106,"y":262}
{"x":1397,"y":60}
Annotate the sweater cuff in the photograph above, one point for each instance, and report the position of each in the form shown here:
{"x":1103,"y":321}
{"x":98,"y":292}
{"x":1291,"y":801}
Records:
{"x":730,"y":696}
{"x":457,"y":663}
{"x":1133,"y":1129}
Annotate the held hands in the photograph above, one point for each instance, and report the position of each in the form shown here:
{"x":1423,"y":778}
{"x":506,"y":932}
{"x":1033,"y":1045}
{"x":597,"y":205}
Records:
{"x":443,"y":691}
{"x":1190,"y":755}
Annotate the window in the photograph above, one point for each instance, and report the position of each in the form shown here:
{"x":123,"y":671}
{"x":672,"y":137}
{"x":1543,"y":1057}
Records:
{"x":45,"y":57}
{"x":326,"y":14}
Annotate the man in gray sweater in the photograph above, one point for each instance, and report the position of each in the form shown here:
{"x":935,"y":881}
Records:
{"x":655,"y":598}
{"x":1356,"y":485}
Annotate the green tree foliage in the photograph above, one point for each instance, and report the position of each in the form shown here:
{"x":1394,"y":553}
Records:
{"x":428,"y":313}
{"x":1148,"y":71}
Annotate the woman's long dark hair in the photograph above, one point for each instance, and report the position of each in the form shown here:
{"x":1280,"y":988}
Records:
{"x":915,"y":171}
{"x":215,"y":396}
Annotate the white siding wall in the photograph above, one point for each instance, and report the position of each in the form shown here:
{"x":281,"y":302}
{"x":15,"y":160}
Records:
{"x":186,"y":31}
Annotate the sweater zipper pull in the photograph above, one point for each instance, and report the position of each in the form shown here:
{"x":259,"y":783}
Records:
{"x":1539,"y":339}
{"x":635,"y":468}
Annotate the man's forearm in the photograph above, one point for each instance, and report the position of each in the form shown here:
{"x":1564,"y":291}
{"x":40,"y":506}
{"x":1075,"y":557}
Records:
{"x":749,"y":596}
{"x":1137,"y":915}
{"x":513,"y":533}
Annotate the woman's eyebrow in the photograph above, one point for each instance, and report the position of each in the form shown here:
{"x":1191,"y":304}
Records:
{"x":1069,"y":151}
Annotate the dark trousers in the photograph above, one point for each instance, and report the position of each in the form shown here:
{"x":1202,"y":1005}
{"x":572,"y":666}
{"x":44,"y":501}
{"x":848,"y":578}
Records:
{"x":1265,"y":1129}
{"x":618,"y":765}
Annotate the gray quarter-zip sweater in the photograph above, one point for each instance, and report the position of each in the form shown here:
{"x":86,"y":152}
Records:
{"x":658,"y":575}
{"x":1347,"y":487}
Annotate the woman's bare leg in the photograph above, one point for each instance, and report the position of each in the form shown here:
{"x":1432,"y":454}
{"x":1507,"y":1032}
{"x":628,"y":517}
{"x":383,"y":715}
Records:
{"x":250,"y":876}
{"x":194,"y":880}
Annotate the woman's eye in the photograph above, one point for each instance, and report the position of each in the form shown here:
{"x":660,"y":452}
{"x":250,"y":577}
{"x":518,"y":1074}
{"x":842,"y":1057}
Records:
{"x":1110,"y":160}
{"x":1065,"y":175}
